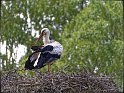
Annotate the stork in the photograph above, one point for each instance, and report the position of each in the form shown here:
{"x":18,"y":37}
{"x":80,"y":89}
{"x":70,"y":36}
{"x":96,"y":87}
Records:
{"x":50,"y":51}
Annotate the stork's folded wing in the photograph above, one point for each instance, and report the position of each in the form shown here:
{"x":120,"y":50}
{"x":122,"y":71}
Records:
{"x":29,"y":64}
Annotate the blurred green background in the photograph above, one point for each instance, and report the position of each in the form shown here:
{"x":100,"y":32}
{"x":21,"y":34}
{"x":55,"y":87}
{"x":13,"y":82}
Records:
{"x":91,"y":32}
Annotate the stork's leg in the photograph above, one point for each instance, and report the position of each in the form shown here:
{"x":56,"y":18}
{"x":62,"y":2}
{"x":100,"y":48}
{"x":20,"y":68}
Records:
{"x":49,"y":67}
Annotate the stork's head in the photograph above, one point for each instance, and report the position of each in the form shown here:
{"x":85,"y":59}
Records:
{"x":45,"y":33}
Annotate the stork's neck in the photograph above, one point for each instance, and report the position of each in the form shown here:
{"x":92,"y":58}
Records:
{"x":46,"y":39}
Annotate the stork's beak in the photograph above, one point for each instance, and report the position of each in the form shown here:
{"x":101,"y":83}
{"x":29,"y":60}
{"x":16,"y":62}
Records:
{"x":41,"y":36}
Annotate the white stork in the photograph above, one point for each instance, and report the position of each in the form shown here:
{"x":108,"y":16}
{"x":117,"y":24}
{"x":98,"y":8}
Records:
{"x":50,"y":51}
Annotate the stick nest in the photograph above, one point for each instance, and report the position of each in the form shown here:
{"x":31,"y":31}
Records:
{"x":60,"y":82}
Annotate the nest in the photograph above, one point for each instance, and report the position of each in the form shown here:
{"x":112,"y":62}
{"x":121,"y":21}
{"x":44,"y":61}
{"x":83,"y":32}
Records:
{"x":83,"y":82}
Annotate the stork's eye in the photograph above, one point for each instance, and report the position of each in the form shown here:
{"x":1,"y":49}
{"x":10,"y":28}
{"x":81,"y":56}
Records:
{"x":43,"y":31}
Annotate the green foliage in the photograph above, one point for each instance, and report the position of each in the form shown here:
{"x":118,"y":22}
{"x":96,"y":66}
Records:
{"x":93,"y":39}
